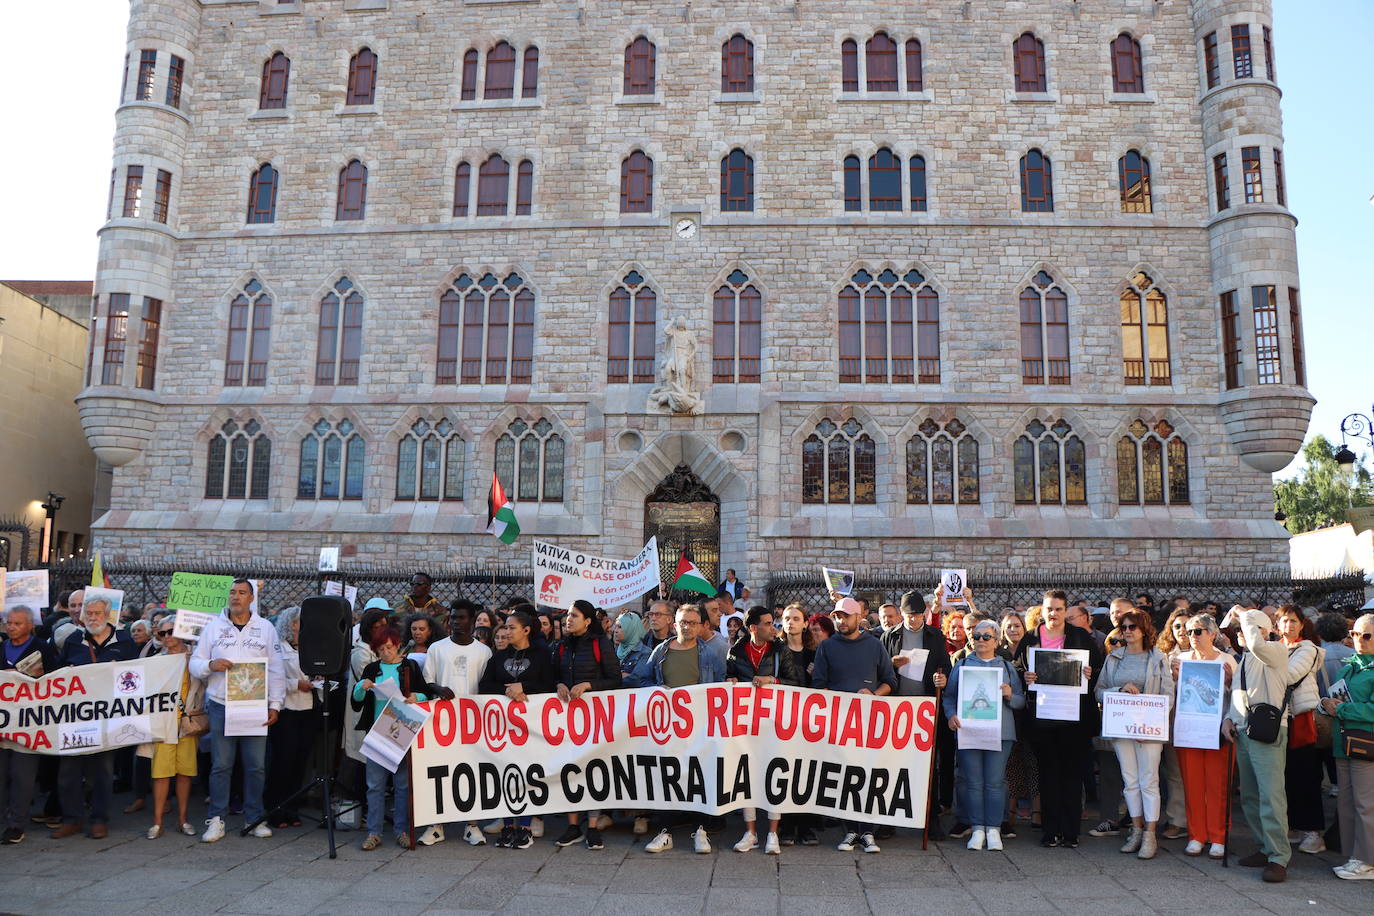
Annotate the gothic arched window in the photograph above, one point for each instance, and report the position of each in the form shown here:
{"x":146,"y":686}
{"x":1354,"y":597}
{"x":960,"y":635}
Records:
{"x":839,"y":465}
{"x":942,"y":465}
{"x":239,"y":462}
{"x":737,"y":330}
{"x":333,"y":462}
{"x":486,"y":331}
{"x":889,"y":329}
{"x":429,"y":462}
{"x":1145,"y":333}
{"x":632,"y":331}
{"x":1152,"y":466}
{"x":1050,"y":465}
{"x":529,"y":462}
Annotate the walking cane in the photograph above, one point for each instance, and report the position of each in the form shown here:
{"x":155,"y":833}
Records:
{"x":1230,"y":776}
{"x":930,"y":777}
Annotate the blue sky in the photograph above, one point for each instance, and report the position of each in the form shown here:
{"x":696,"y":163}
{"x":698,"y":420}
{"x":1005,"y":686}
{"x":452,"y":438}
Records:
{"x":60,"y":125}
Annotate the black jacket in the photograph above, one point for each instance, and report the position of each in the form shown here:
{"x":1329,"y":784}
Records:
{"x":412,"y":681}
{"x":777,"y":662}
{"x":537,"y":677}
{"x":933,"y":641}
{"x":80,"y":649}
{"x":1074,"y":638}
{"x":576,"y":660}
{"x":45,"y":650}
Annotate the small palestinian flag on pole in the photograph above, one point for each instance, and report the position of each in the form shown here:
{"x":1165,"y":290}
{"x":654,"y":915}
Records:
{"x":689,"y":578}
{"x":500,"y":515}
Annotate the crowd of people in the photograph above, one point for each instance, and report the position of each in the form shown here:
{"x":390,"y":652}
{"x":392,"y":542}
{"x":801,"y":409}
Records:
{"x":1299,"y":723}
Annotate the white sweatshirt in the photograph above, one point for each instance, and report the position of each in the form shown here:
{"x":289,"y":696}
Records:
{"x":221,"y":639}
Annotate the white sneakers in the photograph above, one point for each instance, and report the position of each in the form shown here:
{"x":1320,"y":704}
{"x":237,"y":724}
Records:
{"x":262,"y":831}
{"x":472,"y":835}
{"x":848,"y":843}
{"x":977,"y":838}
{"x":431,"y":835}
{"x":1194,"y":848}
{"x":214,"y":830}
{"x":995,"y":839}
{"x":702,"y":842}
{"x":748,"y":842}
{"x":1217,"y":851}
{"x":1355,"y":870}
{"x":772,"y":846}
{"x":1312,"y":843}
{"x":663,"y":841}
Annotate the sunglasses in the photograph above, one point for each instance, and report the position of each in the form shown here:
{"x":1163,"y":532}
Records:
{"x":1127,"y":626}
{"x":1354,"y":635}
{"x":1116,"y":642}
{"x":982,"y":636}
{"x":1198,"y":631}
{"x":164,"y":632}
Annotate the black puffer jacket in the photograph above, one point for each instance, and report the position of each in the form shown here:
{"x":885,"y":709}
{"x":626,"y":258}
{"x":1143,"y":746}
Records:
{"x":587,"y":659}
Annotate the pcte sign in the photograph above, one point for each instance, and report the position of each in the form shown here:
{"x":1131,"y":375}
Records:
{"x":710,"y":748}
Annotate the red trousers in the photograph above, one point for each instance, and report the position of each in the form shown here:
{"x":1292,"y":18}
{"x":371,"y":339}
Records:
{"x":1204,"y":791}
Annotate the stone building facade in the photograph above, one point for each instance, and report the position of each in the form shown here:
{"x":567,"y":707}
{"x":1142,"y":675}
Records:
{"x":929,"y":218}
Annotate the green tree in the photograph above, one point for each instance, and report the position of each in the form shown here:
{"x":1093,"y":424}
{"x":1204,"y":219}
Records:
{"x":1319,"y":495}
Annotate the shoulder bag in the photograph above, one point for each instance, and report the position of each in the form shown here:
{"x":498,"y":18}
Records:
{"x":1265,"y":719}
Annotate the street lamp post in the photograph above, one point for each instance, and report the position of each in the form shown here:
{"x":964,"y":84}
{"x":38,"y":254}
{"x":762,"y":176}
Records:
{"x":1357,"y":426}
{"x":50,"y":526}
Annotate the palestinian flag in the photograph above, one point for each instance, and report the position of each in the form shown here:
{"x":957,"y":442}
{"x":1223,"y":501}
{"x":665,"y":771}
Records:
{"x":689,"y":578}
{"x":500,"y":514}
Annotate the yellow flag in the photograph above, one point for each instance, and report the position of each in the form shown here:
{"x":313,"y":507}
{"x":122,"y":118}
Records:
{"x":97,"y":574}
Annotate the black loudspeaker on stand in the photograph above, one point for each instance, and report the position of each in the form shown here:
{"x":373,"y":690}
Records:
{"x":326,"y":625}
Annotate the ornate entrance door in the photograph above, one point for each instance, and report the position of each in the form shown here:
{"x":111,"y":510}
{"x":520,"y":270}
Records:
{"x":684,"y":514}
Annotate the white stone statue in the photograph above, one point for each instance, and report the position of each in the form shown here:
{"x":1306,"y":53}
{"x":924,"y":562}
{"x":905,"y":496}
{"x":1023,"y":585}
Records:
{"x":677,"y":392}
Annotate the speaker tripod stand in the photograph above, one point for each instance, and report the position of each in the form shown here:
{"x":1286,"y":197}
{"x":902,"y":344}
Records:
{"x":327,"y":784}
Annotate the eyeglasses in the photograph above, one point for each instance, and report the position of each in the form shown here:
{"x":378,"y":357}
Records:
{"x":1198,"y":631}
{"x":1127,"y":626}
{"x":1179,"y":626}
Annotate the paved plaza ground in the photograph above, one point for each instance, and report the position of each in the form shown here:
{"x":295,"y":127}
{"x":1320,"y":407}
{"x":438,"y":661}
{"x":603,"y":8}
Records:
{"x":291,"y":873}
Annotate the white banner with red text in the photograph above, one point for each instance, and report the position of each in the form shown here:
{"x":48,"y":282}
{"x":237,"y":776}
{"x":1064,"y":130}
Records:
{"x":92,"y":708}
{"x":709,"y":748}
{"x":562,"y":576}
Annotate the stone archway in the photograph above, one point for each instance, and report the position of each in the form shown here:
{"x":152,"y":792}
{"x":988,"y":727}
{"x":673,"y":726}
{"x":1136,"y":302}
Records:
{"x":684,"y":515}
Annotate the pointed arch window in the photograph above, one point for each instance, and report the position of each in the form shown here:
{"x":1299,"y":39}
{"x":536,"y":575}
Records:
{"x":942,"y":465}
{"x":340,"y":340}
{"x":737,"y":182}
{"x":1044,"y":333}
{"x":500,"y":82}
{"x":880,"y":59}
{"x":332,"y":462}
{"x":637,"y":183}
{"x":632,"y":332}
{"x":352,"y":200}
{"x":737,"y":65}
{"x":529,"y":462}
{"x":1050,"y":465}
{"x":641,"y":66}
{"x":1133,"y":171}
{"x":889,"y":329}
{"x":849,"y":65}
{"x":493,"y":186}
{"x":853,"y":184}
{"x":471,"y":62}
{"x":249,"y":339}
{"x":262,"y":194}
{"x":462,"y":188}
{"x":362,"y":78}
{"x":429,"y":462}
{"x":1028,"y":53}
{"x":529,"y":74}
{"x":276,"y":74}
{"x":839,"y":465}
{"x":1128,"y":76}
{"x":737,"y":330}
{"x":1145,"y":333}
{"x":1152,"y":466}
{"x":1037,"y":183}
{"x":238,"y":462}
{"x":486,"y":331}
{"x":884,"y":180}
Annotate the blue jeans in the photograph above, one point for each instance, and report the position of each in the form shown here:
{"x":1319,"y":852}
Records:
{"x":377,"y":776}
{"x":222,"y":751}
{"x":982,"y":785}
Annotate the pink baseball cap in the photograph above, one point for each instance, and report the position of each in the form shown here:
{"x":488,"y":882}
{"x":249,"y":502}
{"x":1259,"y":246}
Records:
{"x":847,"y":606}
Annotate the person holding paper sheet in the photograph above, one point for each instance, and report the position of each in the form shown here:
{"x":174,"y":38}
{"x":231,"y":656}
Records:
{"x":390,"y":674}
{"x":982,"y":773}
{"x":1355,"y":778}
{"x":235,"y":635}
{"x":1205,"y":772}
{"x":921,"y":660}
{"x":1062,"y":747}
{"x":1138,"y":668}
{"x":34,"y":656}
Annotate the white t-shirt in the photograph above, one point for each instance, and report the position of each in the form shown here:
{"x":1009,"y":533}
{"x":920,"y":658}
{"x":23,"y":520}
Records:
{"x":459,"y":668}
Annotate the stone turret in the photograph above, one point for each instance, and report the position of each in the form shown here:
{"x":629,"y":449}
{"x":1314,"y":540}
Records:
{"x":1265,"y":404}
{"x":134,"y":293}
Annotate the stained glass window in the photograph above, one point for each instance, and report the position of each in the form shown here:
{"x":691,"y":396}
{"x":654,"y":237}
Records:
{"x":839,"y":464}
{"x":333,"y":462}
{"x":1152,"y":465}
{"x":942,"y":464}
{"x":1050,"y":465}
{"x":429,"y":462}
{"x":529,"y":462}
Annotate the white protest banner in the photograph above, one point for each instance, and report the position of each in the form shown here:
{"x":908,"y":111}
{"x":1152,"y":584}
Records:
{"x":188,"y":624}
{"x":25,"y":588}
{"x":952,"y":585}
{"x":89,"y":708}
{"x":839,"y":581}
{"x":390,"y":738}
{"x":245,"y":698}
{"x":980,"y":708}
{"x":1142,"y":716}
{"x":710,"y":748}
{"x":1201,"y":703}
{"x":562,"y":576}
